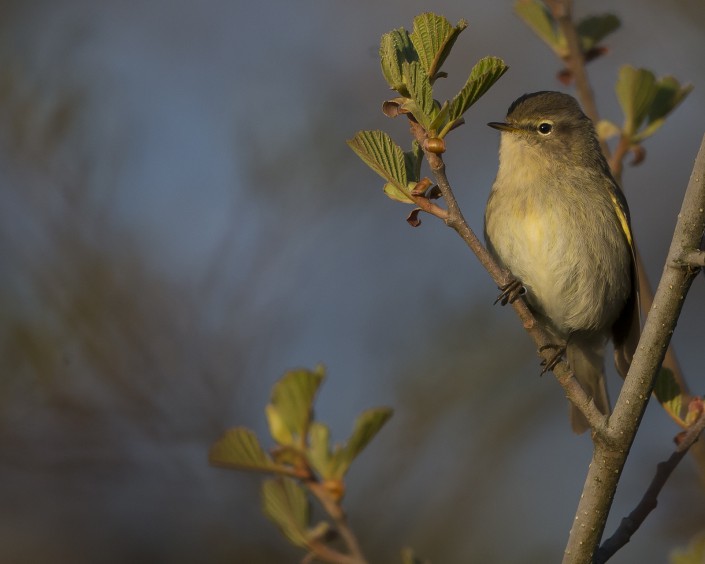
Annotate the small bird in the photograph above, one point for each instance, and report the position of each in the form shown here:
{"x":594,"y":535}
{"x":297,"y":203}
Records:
{"x":558,"y":221}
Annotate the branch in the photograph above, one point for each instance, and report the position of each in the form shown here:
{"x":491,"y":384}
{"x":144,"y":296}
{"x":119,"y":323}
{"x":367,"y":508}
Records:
{"x":630,"y":524}
{"x":336,"y":512}
{"x":695,"y":259}
{"x":610,"y":455}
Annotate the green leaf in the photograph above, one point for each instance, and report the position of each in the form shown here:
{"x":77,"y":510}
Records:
{"x":433,"y":37}
{"x":420,"y":91}
{"x":239,"y":448}
{"x":669,"y":94}
{"x":291,"y":407}
{"x":538,"y":18}
{"x":594,"y":29}
{"x":483,"y":75}
{"x":693,"y":554}
{"x":319,"y":448}
{"x":286,"y":504}
{"x":397,"y":194}
{"x":395,"y":49}
{"x":408,"y":557}
{"x":606,"y":129}
{"x":636,"y":89}
{"x":386,"y":158}
{"x":367,"y":425}
{"x":412,"y":162}
{"x":668,"y":393}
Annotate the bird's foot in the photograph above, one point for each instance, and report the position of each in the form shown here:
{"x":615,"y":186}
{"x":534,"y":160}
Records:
{"x":551,"y":363}
{"x":510,"y":292}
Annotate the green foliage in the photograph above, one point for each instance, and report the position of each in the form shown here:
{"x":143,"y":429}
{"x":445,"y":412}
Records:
{"x":289,"y":413}
{"x":591,"y":30}
{"x":482,"y":76}
{"x":411,"y":63}
{"x":239,"y":448}
{"x":286,"y":504}
{"x":646,"y":102}
{"x":303,"y":459}
{"x":694,"y":554}
{"x":408,"y":557}
{"x":433,"y":38}
{"x":333,"y":464}
{"x":594,"y":29}
{"x":668,"y":393}
{"x":536,"y":15}
{"x":388,"y":160}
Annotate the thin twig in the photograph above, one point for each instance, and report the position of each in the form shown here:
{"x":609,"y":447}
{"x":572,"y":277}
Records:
{"x":562,"y":12}
{"x":630,"y":524}
{"x":334,"y":509}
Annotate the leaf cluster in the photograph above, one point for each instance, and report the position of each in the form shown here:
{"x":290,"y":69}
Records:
{"x":303,"y":454}
{"x":411,"y":64}
{"x":591,"y":30}
{"x":646,"y":102}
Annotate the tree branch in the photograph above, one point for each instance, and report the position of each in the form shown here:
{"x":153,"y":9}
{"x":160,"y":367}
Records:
{"x":630,"y":524}
{"x":610,"y":455}
{"x":333,"y":508}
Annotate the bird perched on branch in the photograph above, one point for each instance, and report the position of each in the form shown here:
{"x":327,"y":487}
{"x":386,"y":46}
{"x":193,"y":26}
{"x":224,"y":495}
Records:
{"x":558,"y":221}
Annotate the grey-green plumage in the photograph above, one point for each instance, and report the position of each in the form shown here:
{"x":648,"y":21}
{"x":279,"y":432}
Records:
{"x":558,"y":221}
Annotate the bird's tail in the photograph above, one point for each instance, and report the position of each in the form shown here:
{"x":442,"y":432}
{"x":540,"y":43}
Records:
{"x":587,"y":359}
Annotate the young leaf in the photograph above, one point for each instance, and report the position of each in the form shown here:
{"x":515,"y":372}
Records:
{"x":239,"y":448}
{"x":693,"y":554}
{"x":366,"y":427}
{"x":395,"y":193}
{"x":636,"y":89}
{"x":420,"y":91}
{"x":668,"y":393}
{"x":669,"y":94}
{"x":408,"y":557}
{"x":483,"y":75}
{"x":433,"y":37}
{"x":537,"y":17}
{"x":594,"y":29}
{"x":292,"y":405}
{"x":606,"y":130}
{"x":382,"y":155}
{"x":395,"y":49}
{"x":285,"y":503}
{"x":319,"y":448}
{"x":412,"y":162}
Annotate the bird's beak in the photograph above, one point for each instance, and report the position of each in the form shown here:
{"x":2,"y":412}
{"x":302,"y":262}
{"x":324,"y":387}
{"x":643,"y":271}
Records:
{"x":502,"y":126}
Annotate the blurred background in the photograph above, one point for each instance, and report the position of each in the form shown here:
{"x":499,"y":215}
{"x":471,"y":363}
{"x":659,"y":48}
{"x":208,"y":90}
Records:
{"x":181,"y":221}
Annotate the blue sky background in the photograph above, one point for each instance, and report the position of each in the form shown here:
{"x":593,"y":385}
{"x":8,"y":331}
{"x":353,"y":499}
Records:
{"x":202,"y":227}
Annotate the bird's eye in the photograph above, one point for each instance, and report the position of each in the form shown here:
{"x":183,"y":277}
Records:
{"x":545,"y":127}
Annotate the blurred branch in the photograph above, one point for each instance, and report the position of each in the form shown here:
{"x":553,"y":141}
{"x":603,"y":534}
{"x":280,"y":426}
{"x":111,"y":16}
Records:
{"x":562,"y":11}
{"x":335,"y":510}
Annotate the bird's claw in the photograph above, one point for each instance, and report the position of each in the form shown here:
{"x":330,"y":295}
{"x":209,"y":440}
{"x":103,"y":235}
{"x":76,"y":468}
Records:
{"x":510,"y":292}
{"x":552,"y":362}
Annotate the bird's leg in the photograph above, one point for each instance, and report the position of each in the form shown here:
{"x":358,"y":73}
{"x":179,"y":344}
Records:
{"x":510,"y":291}
{"x":551,"y":363}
